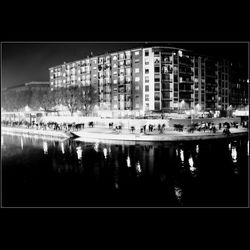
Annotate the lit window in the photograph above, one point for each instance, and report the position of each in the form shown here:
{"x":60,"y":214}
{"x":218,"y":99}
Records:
{"x":137,"y":79}
{"x":115,"y":81}
{"x":146,"y":79}
{"x":137,"y":105}
{"x":137,"y":87}
{"x":137,"y":70}
{"x":137,"y":53}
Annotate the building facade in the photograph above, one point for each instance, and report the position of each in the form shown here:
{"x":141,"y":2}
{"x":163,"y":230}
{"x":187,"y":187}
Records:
{"x":39,"y":86}
{"x":152,"y":79}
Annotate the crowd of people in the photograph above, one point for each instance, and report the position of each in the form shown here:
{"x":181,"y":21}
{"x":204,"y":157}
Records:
{"x":147,"y":128}
{"x":47,"y":125}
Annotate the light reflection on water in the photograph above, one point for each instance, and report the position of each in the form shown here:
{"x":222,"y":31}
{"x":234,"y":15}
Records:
{"x":123,"y":162}
{"x":45,"y":147}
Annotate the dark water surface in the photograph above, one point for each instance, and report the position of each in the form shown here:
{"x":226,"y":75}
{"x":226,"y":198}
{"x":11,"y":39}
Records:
{"x":70,"y":173}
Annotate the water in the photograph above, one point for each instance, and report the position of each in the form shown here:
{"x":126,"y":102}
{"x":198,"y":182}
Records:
{"x":53,"y":173}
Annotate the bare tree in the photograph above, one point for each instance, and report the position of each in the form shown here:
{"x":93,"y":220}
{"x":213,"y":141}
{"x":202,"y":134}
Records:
{"x":88,"y":99}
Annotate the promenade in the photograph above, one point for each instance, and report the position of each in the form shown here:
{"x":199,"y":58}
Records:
{"x":126,"y":135}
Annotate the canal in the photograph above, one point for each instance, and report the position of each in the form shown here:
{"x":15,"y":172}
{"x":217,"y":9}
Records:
{"x":46,"y":172}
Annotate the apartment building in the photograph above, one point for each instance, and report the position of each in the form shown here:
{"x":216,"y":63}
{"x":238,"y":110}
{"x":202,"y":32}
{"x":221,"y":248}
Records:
{"x":150,"y":79}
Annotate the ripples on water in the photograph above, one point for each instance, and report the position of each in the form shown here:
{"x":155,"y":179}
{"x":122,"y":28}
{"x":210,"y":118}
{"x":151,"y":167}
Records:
{"x":47,"y":172}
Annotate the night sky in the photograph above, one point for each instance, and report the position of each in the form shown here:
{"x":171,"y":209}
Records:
{"x":25,"y":62}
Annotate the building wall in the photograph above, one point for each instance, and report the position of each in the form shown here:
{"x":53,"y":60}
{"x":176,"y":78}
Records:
{"x":151,"y":79}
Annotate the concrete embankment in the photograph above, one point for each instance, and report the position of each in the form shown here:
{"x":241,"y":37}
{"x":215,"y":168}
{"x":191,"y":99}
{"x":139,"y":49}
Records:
{"x":105,"y":134}
{"x":30,"y":131}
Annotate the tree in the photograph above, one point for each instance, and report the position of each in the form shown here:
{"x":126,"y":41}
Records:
{"x":70,"y":97}
{"x":88,"y":99}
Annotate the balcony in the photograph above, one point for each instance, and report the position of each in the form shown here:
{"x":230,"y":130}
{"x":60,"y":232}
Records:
{"x":186,"y":90}
{"x":185,"y":72}
{"x":186,"y":81}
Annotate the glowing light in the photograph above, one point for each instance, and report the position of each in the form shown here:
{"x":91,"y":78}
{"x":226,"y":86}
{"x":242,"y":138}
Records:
{"x":45,"y":147}
{"x":62,"y":148}
{"x":229,"y":146}
{"x":116,"y":185}
{"x":176,"y":152}
{"x":105,"y":152}
{"x":128,"y":162}
{"x":79,"y":152}
{"x":234,"y":154}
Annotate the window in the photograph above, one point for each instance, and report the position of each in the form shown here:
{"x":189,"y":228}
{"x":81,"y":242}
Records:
{"x":137,"y":53}
{"x":175,"y":87}
{"x":137,"y":70}
{"x":137,"y":105}
{"x":157,"y":96}
{"x":115,"y":81}
{"x":146,"y":79}
{"x":156,"y":53}
{"x":147,"y":98}
{"x":146,"y":71}
{"x":157,"y":105}
{"x":137,"y":79}
{"x":157,"y":69}
{"x":146,"y":53}
{"x":146,"y":61}
{"x":137,"y":88}
{"x":157,"y":79}
{"x":157,"y":86}
{"x":146,"y":88}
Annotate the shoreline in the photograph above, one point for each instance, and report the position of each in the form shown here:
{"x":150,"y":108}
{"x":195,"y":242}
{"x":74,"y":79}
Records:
{"x":125,"y":135}
{"x":48,"y":133}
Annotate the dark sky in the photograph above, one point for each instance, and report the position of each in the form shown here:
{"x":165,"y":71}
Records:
{"x":25,"y":62}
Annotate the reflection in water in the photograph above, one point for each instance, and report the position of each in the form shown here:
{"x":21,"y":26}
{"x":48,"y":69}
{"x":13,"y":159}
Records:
{"x":62,"y":148}
{"x":96,"y":146}
{"x":105,"y":152}
{"x":128,"y":162}
{"x":182,"y":157}
{"x":128,"y":169}
{"x":45,"y":147}
{"x":178,"y":193}
{"x":197,"y":148}
{"x":79,"y":152}
{"x":21,"y":143}
{"x":192,"y":167}
{"x":138,"y":168}
{"x":234,"y":154}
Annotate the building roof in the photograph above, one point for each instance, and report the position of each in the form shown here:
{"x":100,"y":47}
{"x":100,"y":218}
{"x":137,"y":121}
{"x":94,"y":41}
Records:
{"x":28,"y":84}
{"x":138,"y":48}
